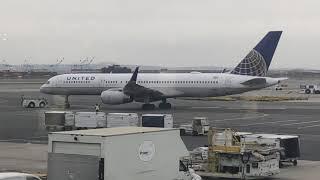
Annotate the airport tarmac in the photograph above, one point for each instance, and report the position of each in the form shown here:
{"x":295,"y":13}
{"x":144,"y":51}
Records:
{"x":19,"y":124}
{"x":32,"y":158}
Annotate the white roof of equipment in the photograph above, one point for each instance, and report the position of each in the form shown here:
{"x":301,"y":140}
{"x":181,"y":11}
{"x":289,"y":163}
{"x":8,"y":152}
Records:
{"x":114,"y":131}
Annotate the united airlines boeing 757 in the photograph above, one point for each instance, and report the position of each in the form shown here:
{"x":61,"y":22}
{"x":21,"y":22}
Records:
{"x":249,"y":74}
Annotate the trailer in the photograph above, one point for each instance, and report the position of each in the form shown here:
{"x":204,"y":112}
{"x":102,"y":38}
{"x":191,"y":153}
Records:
{"x":89,"y":120}
{"x":59,"y":120}
{"x":122,"y":119}
{"x":198,"y":126}
{"x":68,"y":120}
{"x":136,"y":153}
{"x":157,"y":120}
{"x":30,"y":102}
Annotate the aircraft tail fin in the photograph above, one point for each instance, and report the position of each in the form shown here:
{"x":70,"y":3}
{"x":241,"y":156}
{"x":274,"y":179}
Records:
{"x":257,"y":62}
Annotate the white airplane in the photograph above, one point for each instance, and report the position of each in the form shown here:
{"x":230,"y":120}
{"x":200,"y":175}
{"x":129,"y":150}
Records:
{"x":248,"y":75}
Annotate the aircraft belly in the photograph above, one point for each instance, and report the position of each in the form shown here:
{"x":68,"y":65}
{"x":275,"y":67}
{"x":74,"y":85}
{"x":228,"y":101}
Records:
{"x":208,"y":92}
{"x":76,"y":90}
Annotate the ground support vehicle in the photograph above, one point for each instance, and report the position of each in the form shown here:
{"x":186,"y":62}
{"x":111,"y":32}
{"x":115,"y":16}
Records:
{"x":310,"y":89}
{"x":198,"y":126}
{"x":229,"y":155}
{"x":29,"y":102}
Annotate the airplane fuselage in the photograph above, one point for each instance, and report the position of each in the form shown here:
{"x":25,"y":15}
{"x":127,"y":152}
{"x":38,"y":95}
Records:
{"x":169,"y":84}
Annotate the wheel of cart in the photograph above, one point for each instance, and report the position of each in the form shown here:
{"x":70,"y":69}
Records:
{"x":308,"y":91}
{"x":182,"y":132}
{"x":295,"y":162}
{"x":31,"y":105}
{"x":194,"y":133}
{"x":42,"y":104}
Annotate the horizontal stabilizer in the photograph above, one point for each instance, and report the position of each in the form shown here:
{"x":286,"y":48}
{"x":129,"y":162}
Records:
{"x":255,"y":82}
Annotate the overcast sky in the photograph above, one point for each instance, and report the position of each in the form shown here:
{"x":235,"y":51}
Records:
{"x":158,"y":32}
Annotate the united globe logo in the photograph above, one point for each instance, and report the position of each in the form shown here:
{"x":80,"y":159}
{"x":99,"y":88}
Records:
{"x":252,"y":65}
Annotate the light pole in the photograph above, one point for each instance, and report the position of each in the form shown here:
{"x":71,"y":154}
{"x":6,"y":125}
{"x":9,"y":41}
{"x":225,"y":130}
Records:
{"x":3,"y":37}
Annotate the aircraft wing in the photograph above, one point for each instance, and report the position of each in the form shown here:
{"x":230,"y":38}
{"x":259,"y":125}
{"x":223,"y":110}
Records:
{"x":138,"y":92}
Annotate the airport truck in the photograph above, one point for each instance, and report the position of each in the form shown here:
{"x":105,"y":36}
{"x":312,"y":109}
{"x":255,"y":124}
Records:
{"x":198,"y":126}
{"x":29,"y":102}
{"x":310,"y":89}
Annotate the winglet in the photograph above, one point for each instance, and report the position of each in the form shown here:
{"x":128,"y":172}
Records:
{"x":134,"y":75}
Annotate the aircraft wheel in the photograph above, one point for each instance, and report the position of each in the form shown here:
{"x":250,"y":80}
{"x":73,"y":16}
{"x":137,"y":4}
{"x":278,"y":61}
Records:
{"x":148,"y":106}
{"x":165,"y":106}
{"x":182,"y":132}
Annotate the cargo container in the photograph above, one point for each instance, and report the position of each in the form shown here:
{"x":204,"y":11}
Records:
{"x":198,"y":126}
{"x":59,"y":120}
{"x":87,"y":120}
{"x":135,"y":153}
{"x":290,"y":145}
{"x":122,"y":119}
{"x":157,"y":120}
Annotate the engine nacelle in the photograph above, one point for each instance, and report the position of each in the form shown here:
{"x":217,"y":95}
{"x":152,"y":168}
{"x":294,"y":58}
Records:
{"x":114,"y":97}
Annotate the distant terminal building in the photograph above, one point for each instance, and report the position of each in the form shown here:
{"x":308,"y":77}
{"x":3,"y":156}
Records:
{"x":26,"y":74}
{"x":85,"y":71}
{"x":115,"y":69}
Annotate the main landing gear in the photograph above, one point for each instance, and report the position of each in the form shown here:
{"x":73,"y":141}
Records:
{"x":148,"y":106}
{"x":164,"y":104}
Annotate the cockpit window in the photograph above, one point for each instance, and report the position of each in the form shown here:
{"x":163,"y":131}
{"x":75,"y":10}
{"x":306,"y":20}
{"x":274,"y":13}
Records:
{"x":48,"y":82}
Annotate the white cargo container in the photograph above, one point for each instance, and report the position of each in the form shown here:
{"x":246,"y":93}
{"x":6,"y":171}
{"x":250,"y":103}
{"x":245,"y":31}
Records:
{"x":135,"y":153}
{"x":290,"y":145}
{"x":59,"y":120}
{"x":157,"y":120}
{"x":90,"y":120}
{"x":122,"y":119}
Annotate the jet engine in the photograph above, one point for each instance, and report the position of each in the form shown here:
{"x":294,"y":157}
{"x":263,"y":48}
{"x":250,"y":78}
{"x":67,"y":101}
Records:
{"x":114,"y":97}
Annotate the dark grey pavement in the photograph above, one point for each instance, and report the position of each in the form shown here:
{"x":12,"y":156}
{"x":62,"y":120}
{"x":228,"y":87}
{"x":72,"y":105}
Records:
{"x":300,"y":118}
